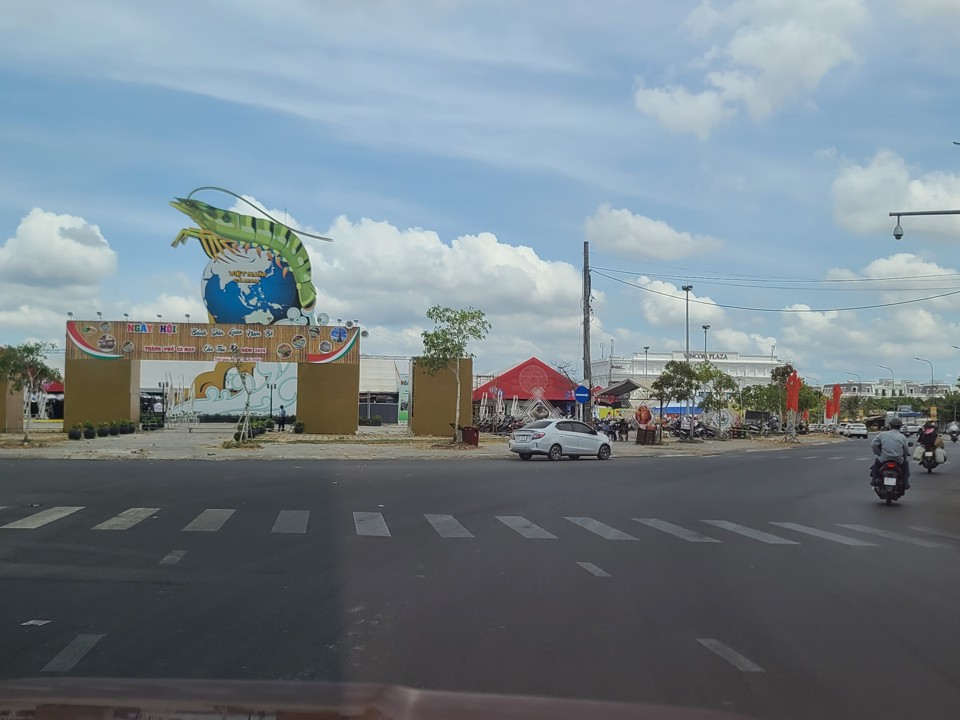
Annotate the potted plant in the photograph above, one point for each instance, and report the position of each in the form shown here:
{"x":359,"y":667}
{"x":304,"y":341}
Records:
{"x":126,"y":427}
{"x":103,"y":429}
{"x":115,"y":427}
{"x":76,"y":432}
{"x":299,"y":426}
{"x":270,"y":424}
{"x":89,"y":431}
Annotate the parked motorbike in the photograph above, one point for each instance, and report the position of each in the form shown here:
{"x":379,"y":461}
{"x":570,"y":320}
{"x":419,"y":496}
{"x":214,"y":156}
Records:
{"x":954,"y":434}
{"x":891,"y":486}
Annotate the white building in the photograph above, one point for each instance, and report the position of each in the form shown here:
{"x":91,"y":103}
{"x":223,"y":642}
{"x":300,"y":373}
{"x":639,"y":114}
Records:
{"x":644,"y":368}
{"x":886,"y":387}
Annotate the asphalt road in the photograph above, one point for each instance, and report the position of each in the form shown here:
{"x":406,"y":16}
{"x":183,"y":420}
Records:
{"x":771,"y":583}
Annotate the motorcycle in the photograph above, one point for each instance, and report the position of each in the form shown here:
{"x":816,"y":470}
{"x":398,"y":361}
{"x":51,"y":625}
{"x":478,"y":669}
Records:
{"x":929,"y":459}
{"x":891,"y":486}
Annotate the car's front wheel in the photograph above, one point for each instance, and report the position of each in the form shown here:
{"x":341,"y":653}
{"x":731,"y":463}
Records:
{"x":604,"y":452}
{"x":556,"y":452}
{"x":526,"y":456}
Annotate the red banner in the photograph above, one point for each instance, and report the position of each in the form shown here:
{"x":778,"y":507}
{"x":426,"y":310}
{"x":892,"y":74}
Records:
{"x":793,"y":391}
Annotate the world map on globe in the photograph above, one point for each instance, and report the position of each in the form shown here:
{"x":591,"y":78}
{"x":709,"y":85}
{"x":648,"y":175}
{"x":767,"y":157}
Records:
{"x":247,"y":287}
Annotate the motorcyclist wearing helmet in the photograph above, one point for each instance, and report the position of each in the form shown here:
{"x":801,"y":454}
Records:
{"x":928,"y":435}
{"x":891,"y":445}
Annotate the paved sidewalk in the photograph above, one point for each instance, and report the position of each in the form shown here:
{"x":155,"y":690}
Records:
{"x":206,"y":442}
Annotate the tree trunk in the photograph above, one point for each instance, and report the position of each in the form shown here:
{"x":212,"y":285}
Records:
{"x":457,"y":432}
{"x":27,"y":392}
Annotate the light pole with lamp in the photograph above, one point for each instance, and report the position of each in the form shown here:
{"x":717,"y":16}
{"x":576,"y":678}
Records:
{"x":646,"y":349}
{"x":811,"y":377}
{"x":705,"y":328}
{"x":272,"y":387}
{"x":893,"y":379}
{"x":931,"y":371}
{"x":859,"y":390}
{"x":686,"y":355}
{"x":163,"y":402}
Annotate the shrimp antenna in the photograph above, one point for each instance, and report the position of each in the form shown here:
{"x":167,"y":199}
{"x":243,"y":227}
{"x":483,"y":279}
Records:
{"x":260,"y":210}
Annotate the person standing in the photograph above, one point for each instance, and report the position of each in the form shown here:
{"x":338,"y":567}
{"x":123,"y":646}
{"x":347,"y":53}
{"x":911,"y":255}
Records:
{"x":282,"y":419}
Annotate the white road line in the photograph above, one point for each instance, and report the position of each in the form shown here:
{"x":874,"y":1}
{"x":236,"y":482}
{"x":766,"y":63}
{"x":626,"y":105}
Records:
{"x":839,"y":457}
{"x":210,"y":520}
{"x":893,"y":535}
{"x":371,"y":523}
{"x":526,"y":528}
{"x":291,"y":521}
{"x":682,"y":533}
{"x":932,"y":531}
{"x":824,"y":535}
{"x":782,"y":457}
{"x":751,"y":533}
{"x":863,"y":459}
{"x":591,"y":568}
{"x":173,"y":557}
{"x":810,"y":457}
{"x":448,"y":526}
{"x":127,"y":519}
{"x":72,"y":653}
{"x":41,"y":518}
{"x":599,"y":528}
{"x":740,"y":662}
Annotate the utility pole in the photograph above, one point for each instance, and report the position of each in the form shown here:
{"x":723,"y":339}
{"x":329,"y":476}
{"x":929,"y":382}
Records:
{"x":687,"y":289}
{"x":588,"y":380}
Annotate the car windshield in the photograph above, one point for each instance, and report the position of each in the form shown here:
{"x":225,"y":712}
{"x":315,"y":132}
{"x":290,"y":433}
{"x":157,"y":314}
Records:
{"x":478,"y":346}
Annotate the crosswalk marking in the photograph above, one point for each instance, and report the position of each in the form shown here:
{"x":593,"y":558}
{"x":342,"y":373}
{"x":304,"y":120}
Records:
{"x":893,"y":535}
{"x":41,"y":518}
{"x":371,"y":523}
{"x":127,"y":519}
{"x":680,"y":532}
{"x":173,"y":557}
{"x":933,"y":531}
{"x":599,"y":528}
{"x":751,"y":533}
{"x":744,"y":664}
{"x":447,"y":526}
{"x":529,"y":530}
{"x":593,"y":569}
{"x":209,"y":520}
{"x":824,"y":535}
{"x":291,"y":521}
{"x":73,"y":653}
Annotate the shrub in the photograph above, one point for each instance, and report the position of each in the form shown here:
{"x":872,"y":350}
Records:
{"x":373,"y":420}
{"x":75,"y":433}
{"x":299,"y":426}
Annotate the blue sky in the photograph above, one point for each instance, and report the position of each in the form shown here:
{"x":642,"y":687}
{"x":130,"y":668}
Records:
{"x":461,"y":152}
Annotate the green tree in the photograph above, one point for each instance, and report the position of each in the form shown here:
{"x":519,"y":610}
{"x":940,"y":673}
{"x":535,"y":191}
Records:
{"x":717,"y":386}
{"x":25,"y":367}
{"x":850,"y":406}
{"x":678,"y":381}
{"x":446,"y":344}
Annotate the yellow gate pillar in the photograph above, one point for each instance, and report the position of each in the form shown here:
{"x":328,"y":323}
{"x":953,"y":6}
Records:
{"x":433,"y":399}
{"x":328,"y":397}
{"x":100,"y":391}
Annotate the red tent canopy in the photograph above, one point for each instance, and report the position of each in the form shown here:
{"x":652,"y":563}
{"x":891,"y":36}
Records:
{"x":524,"y":378}
{"x":53,"y":387}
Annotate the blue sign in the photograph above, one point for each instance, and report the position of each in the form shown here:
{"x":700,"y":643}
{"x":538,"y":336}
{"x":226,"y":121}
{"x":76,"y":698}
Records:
{"x":581,"y":394}
{"x":338,"y":334}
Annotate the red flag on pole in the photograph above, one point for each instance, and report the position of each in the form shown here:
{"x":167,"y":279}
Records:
{"x":793,"y":391}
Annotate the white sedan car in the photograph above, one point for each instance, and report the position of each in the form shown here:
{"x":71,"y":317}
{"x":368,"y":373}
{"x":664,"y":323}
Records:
{"x":855,"y":430}
{"x":558,"y":437}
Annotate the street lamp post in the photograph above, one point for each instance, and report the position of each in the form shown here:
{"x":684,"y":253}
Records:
{"x":163,"y":401}
{"x":646,"y":349}
{"x":811,"y":377}
{"x":687,"y":289}
{"x":893,"y":379}
{"x":272,"y":387}
{"x":931,"y":371}
{"x":705,"y":328}
{"x":859,"y":389}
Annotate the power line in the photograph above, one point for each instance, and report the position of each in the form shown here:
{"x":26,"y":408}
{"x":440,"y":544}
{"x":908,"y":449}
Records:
{"x":780,"y":310}
{"x":719,"y":278}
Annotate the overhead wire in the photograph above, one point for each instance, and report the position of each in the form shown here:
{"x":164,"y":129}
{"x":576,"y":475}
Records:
{"x":778,"y":310}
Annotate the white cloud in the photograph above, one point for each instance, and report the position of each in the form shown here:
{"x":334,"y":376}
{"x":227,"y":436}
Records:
{"x":681,"y":111}
{"x":773,"y":52}
{"x":642,"y":238}
{"x":863,"y":195}
{"x":860,"y":341}
{"x":665,"y":304}
{"x":56,"y":251}
{"x":172,"y":307}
